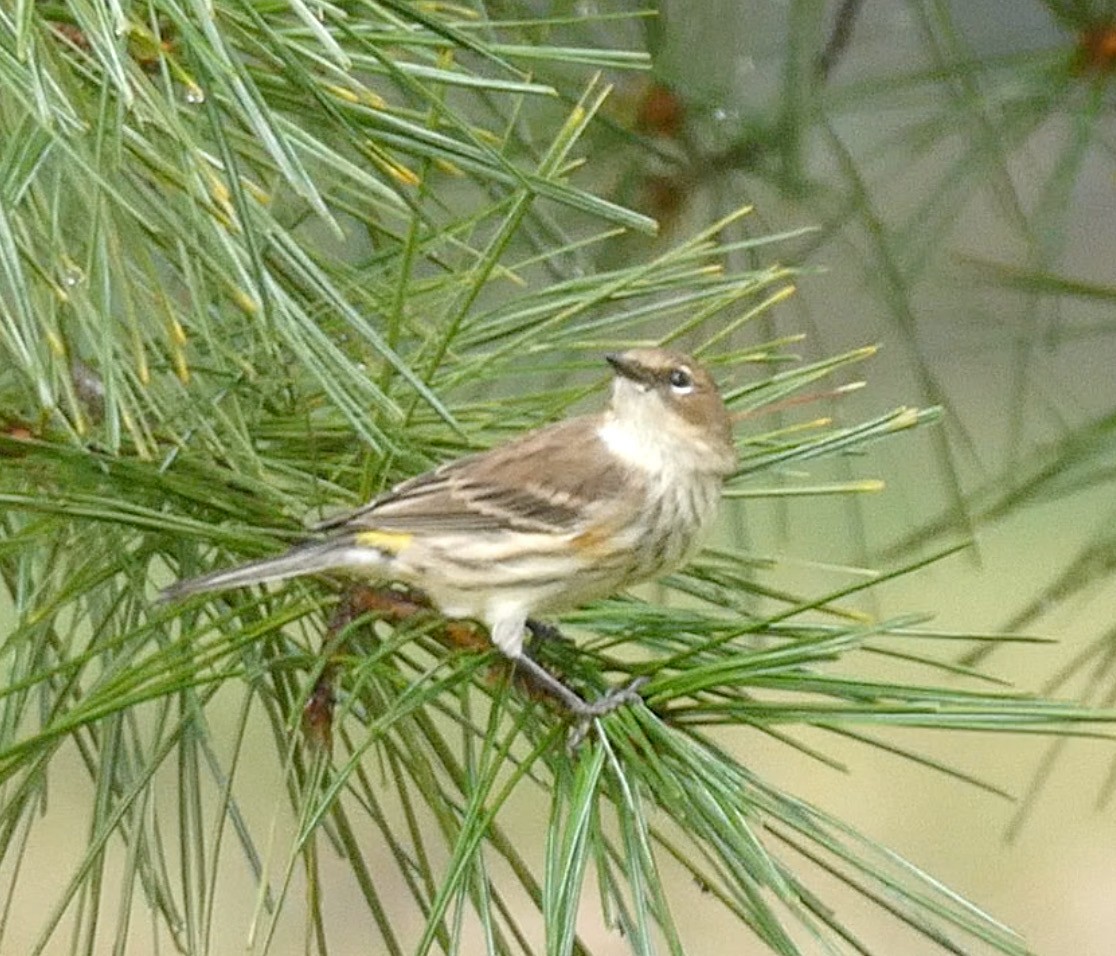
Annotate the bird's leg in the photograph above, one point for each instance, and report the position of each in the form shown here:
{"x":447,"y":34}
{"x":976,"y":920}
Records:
{"x":507,"y":635}
{"x":617,"y":697}
{"x":541,"y":632}
{"x":584,"y":711}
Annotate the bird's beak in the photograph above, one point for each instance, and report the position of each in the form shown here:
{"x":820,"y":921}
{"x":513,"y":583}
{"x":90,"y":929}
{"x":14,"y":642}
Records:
{"x":626,"y":368}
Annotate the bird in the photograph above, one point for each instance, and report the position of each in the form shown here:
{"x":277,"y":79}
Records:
{"x":553,"y":519}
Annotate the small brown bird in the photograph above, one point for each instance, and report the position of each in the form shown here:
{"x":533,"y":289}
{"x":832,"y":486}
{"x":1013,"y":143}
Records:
{"x":556,"y":518}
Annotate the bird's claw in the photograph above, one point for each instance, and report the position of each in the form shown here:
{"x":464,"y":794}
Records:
{"x":616,"y":698}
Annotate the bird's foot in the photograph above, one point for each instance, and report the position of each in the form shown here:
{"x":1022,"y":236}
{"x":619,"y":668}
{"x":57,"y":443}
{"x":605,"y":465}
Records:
{"x":583,"y":711}
{"x":614,"y":699}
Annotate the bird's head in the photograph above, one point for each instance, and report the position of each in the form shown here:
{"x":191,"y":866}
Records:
{"x":668,"y":397}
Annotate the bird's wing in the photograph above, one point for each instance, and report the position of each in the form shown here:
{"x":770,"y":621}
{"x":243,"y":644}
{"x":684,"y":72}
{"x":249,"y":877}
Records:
{"x":554,"y":480}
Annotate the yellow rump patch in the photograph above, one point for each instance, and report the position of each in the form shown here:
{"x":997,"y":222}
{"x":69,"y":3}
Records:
{"x":390,"y":541}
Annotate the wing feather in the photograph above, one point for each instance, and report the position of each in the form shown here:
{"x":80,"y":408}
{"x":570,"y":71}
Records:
{"x":554,"y":480}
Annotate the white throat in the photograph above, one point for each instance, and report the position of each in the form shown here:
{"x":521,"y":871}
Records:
{"x":636,"y":428}
{"x":683,"y":479}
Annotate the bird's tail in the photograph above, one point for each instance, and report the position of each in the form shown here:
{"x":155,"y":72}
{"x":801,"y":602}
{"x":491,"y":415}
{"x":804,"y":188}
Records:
{"x":308,"y":558}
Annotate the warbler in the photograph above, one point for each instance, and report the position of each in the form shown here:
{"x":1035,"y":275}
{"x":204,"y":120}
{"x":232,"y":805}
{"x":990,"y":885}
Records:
{"x":556,"y":518}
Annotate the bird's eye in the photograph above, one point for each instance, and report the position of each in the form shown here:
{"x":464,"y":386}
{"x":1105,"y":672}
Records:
{"x":681,"y":380}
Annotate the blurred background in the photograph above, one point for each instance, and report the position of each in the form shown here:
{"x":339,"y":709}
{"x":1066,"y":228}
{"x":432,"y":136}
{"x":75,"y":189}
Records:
{"x":944,"y":175}
{"x":957,"y":160}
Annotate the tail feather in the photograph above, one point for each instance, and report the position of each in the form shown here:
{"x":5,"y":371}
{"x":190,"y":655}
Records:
{"x":304,"y":559}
